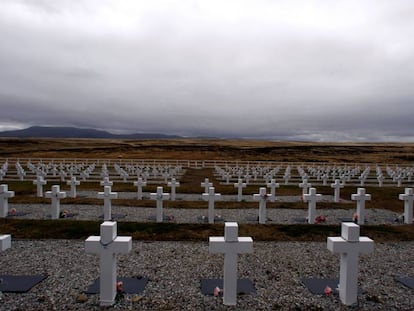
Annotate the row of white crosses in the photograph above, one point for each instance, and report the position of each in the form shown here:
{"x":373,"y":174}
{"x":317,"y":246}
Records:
{"x":349,"y":245}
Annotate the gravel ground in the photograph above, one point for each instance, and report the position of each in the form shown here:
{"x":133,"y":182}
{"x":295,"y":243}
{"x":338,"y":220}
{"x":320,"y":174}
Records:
{"x":174,"y":270}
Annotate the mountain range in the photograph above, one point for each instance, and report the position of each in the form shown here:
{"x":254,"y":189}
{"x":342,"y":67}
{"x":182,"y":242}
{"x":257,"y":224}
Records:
{"x":74,"y":132}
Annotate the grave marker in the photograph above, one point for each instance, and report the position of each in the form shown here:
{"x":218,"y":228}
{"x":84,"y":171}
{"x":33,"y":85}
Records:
{"x":39,"y":182}
{"x":55,"y":195}
{"x":206,"y":184}
{"x":231,"y":245}
{"x":5,"y":194}
{"x":139,"y":184}
{"x":107,"y":196}
{"x":73,"y":183}
{"x":408,"y":198}
{"x":262,"y":198}
{"x":159,"y":197}
{"x":211,"y":197}
{"x":107,"y":246}
{"x":240,"y":185}
{"x":272,"y":185}
{"x":312,"y":197}
{"x":305,"y":185}
{"x":349,"y":246}
{"x":361,"y":197}
{"x":173,"y":184}
{"x":5,"y":242}
{"x":337,"y":185}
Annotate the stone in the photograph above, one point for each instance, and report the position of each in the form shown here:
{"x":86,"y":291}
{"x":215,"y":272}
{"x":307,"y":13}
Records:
{"x":211,"y":197}
{"x":262,"y":197}
{"x":231,"y":245}
{"x":349,"y":246}
{"x":5,"y":242}
{"x":361,"y":197}
{"x":55,"y":195}
{"x":107,"y":196}
{"x":5,"y":194}
{"x":408,"y":198}
{"x":107,"y":246}
{"x":240,"y":185}
{"x":160,"y":196}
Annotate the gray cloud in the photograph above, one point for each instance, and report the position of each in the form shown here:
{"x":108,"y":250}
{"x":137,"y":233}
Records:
{"x":309,"y":70}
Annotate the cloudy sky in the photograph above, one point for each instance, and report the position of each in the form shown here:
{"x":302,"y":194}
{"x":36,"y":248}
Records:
{"x":322,"y":70}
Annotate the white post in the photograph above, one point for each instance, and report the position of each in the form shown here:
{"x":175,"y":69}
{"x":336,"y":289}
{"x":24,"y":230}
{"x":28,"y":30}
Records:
{"x":55,"y":195}
{"x":139,"y":184}
{"x":262,"y":198}
{"x":39,"y":182}
{"x":231,"y":245}
{"x":206,"y":184}
{"x":408,"y":198}
{"x":107,"y":196}
{"x":272,"y":185}
{"x":159,"y":197}
{"x":210,"y":197}
{"x":312,"y":197}
{"x":240,"y":185}
{"x":73,"y":183}
{"x":349,"y":245}
{"x":5,"y":194}
{"x":5,"y":242}
{"x":361,"y":197}
{"x":173,"y":184}
{"x":337,"y":186}
{"x":107,"y":246}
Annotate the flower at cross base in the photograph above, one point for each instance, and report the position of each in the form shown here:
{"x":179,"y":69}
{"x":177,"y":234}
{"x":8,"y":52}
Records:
{"x":327,"y":291}
{"x":12,"y":211}
{"x":319,"y":219}
{"x":216,"y":291}
{"x":119,"y":291}
{"x":355,"y":217}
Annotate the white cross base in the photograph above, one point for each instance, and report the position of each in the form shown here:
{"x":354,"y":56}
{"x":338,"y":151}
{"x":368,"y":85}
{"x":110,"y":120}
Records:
{"x":5,"y":242}
{"x":231,"y":245}
{"x":262,"y":198}
{"x":5,"y":194}
{"x":349,"y":245}
{"x":107,"y":246}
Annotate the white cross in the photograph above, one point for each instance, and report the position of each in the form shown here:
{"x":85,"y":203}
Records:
{"x":159,"y":197}
{"x":312,"y":197}
{"x":210,"y":197}
{"x":107,"y":246}
{"x":337,"y":185}
{"x":262,"y":198}
{"x":231,"y":245}
{"x":107,"y":195}
{"x":380,"y":179}
{"x":361,"y":197}
{"x":73,"y":183}
{"x":39,"y":182}
{"x":5,"y":194}
{"x":272,"y":185}
{"x":305,"y":185}
{"x":173,"y":184}
{"x":139,"y":184}
{"x":206,"y":184}
{"x":325,"y":179}
{"x":62,"y":175}
{"x":349,"y":245}
{"x":5,"y":242}
{"x":55,"y":195}
{"x":408,"y":198}
{"x":106,"y":182}
{"x":286,"y":179}
{"x":240,"y":185}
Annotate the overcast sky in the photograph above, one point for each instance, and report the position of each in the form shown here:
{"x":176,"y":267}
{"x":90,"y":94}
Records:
{"x":296,"y":69}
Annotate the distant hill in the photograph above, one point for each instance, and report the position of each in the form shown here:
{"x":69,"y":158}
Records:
{"x":74,"y":132}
